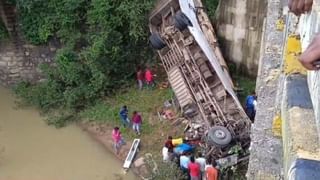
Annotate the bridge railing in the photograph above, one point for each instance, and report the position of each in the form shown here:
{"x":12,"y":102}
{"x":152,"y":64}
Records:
{"x":300,"y":105}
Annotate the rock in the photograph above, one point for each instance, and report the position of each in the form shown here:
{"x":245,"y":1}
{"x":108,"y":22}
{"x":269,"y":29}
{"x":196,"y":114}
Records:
{"x":12,"y":63}
{"x":14,"y":71}
{"x":3,"y":63}
{"x":139,"y":162}
{"x":6,"y":58}
{"x":9,"y":54}
{"x":29,"y":46}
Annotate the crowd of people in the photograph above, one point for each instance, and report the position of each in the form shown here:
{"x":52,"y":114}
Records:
{"x":195,"y":168}
{"x":135,"y":122}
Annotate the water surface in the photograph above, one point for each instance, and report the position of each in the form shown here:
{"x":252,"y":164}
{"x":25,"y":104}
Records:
{"x":32,"y":150}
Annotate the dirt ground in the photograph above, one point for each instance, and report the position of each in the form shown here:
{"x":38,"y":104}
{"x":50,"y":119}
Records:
{"x":150,"y":143}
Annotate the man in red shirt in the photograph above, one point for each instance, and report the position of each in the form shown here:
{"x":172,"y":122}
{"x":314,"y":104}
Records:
{"x":170,"y":147}
{"x":148,"y":75}
{"x":136,"y":120}
{"x":169,"y":144}
{"x":194,"y":169}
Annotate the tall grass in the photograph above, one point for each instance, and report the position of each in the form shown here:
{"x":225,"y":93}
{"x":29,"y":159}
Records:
{"x":147,"y":102}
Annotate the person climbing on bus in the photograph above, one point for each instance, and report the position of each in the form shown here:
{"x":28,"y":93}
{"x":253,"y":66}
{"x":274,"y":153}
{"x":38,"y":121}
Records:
{"x":117,"y":139}
{"x":250,"y":106}
{"x":136,"y":122}
{"x":124,"y":116}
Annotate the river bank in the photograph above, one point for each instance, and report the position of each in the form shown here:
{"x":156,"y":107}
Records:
{"x":102,"y":134}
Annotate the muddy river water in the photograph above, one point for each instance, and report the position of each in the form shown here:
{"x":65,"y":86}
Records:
{"x":32,"y":150}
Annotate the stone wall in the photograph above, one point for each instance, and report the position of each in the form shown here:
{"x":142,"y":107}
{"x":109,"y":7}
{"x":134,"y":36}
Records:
{"x":240,"y":26}
{"x":21,"y":61}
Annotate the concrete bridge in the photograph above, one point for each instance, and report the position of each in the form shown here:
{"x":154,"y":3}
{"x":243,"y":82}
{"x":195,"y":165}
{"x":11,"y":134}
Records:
{"x":285,"y":135}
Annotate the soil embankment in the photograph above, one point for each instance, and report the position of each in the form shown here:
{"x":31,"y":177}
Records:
{"x":102,"y":134}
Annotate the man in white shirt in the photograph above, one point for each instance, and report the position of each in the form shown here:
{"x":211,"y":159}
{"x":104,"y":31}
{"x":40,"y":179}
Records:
{"x":202,"y":162}
{"x":165,"y":154}
{"x":184,"y":161}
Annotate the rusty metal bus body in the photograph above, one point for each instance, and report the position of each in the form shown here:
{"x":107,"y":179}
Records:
{"x":186,"y":43}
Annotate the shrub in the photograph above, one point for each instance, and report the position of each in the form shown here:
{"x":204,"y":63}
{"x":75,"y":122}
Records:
{"x":103,"y":41}
{"x":3,"y":31}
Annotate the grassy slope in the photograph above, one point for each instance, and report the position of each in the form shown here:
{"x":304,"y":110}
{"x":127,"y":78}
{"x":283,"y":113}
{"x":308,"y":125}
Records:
{"x":148,"y":102}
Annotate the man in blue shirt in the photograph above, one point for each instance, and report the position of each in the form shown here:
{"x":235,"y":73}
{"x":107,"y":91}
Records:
{"x":124,"y":116}
{"x":250,"y":106}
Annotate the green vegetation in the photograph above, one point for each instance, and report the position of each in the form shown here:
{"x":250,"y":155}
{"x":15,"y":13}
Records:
{"x":147,"y":102}
{"x":246,"y":85}
{"x":243,"y":83}
{"x":163,"y":170}
{"x":3,"y":31}
{"x":211,"y":6}
{"x":104,"y":40}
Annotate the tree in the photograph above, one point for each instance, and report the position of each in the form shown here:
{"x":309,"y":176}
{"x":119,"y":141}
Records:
{"x":103,"y":41}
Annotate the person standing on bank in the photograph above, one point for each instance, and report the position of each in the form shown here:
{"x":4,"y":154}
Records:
{"x":117,"y":139}
{"x":140,"y":78}
{"x":194,"y":169}
{"x":170,"y":147}
{"x":124,"y":116}
{"x":149,"y":77}
{"x":202,"y":162}
{"x":211,"y":171}
{"x":136,"y":122}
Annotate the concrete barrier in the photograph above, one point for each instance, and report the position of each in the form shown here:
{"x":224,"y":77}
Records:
{"x":300,"y":137}
{"x":299,"y":132}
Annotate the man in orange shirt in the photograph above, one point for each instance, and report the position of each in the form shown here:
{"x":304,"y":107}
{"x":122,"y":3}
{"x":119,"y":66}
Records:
{"x":211,"y":171}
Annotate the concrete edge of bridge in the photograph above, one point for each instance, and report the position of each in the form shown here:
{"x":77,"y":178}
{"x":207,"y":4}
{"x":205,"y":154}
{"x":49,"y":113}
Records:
{"x":301,"y":149}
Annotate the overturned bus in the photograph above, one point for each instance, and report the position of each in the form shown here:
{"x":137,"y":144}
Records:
{"x":186,"y":43}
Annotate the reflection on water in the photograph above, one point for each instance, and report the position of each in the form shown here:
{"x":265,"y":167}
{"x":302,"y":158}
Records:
{"x":31,"y":150}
